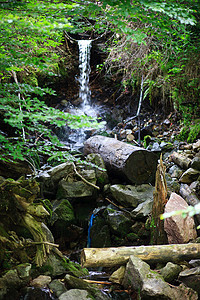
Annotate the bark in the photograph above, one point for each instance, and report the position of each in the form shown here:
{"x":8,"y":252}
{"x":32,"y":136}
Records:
{"x":158,"y":235}
{"x":135,"y":164}
{"x":181,"y":160}
{"x":109,"y":257}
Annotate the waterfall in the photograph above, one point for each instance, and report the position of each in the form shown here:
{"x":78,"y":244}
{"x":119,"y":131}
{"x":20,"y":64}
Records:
{"x":84,"y":66}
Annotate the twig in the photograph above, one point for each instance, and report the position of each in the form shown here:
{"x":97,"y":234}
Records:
{"x":120,"y":207}
{"x":43,"y":243}
{"x":97,"y":282}
{"x":85,"y":180}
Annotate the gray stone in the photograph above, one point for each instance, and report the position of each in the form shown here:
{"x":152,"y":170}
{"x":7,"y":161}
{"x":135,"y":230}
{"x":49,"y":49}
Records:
{"x":189,"y":176}
{"x":170,"y":272}
{"x":118,"y":222}
{"x":179,"y":230}
{"x":150,"y":284}
{"x":75,"y":294}
{"x":196,"y":146}
{"x":77,"y":189}
{"x":143,"y":209}
{"x":175,"y":171}
{"x":78,"y":283}
{"x":118,"y":275}
{"x":147,"y":283}
{"x":57,"y":287}
{"x":41,"y":281}
{"x":131,"y":196}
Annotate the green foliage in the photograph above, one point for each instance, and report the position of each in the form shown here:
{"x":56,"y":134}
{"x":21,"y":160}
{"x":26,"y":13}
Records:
{"x":190,"y":132}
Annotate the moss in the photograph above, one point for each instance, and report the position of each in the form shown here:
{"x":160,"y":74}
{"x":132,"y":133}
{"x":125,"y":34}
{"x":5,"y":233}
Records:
{"x":132,"y":236}
{"x":74,"y":268}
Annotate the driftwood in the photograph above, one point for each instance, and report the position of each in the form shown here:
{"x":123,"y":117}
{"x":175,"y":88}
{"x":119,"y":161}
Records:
{"x":135,"y":164}
{"x":158,"y":235}
{"x":181,"y":160}
{"x":109,"y":257}
{"x":191,"y":199}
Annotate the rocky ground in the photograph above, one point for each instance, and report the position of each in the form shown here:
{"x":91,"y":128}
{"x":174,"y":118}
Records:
{"x":76,"y":205}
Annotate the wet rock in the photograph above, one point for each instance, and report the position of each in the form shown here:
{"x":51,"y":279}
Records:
{"x":179,"y":230}
{"x":189,"y":176}
{"x":37,"y":294}
{"x":118,"y":275}
{"x":41,"y":281}
{"x":131,"y":196}
{"x":57,"y":287}
{"x":181,"y":159}
{"x":170,"y":272}
{"x":118,"y":222}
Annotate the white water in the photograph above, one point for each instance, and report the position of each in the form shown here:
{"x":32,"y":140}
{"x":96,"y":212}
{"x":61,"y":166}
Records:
{"x":77,"y":137}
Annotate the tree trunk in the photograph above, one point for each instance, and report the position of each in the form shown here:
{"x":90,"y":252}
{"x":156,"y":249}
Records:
{"x":109,"y":257}
{"x":136,"y":165}
{"x":158,"y":235}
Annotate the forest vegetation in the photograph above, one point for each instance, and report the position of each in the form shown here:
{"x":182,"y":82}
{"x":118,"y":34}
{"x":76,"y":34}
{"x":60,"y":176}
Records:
{"x":153,"y":43}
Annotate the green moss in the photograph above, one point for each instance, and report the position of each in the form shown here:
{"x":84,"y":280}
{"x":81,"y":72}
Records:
{"x":74,"y":268}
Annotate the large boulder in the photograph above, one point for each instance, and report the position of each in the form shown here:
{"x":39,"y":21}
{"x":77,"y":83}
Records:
{"x":179,"y":230}
{"x":131,"y":196}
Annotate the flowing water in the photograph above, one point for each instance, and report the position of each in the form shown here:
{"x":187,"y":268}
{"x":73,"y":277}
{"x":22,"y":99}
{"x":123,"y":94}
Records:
{"x":77,"y":137}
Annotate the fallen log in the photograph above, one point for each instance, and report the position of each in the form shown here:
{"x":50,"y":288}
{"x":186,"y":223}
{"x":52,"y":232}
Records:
{"x":181,"y":160}
{"x":109,"y":257}
{"x":135,"y":164}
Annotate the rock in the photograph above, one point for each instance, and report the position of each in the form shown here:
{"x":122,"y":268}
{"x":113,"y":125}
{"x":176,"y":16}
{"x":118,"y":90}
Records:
{"x":57,"y":287}
{"x":23,"y":270}
{"x":147,"y":283}
{"x":35,"y":293}
{"x":41,"y":281}
{"x":189,"y":176}
{"x":118,"y":275}
{"x":77,"y":189}
{"x":51,"y":177}
{"x":75,"y":294}
{"x":170,"y":272}
{"x":179,"y":230}
{"x":131,"y":196}
{"x":143,"y":209}
{"x":181,"y":159}
{"x":191,"y":278}
{"x":62,"y":216}
{"x":100,"y":234}
{"x":196,"y":146}
{"x":56,"y":266}
{"x":175,"y":171}
{"x":195,"y":164}
{"x":77,"y":283}
{"x":101,"y":175}
{"x":118,"y":222}
{"x":172,"y":184}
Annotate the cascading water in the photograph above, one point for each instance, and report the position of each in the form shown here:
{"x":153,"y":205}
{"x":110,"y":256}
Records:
{"x":84,"y":66}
